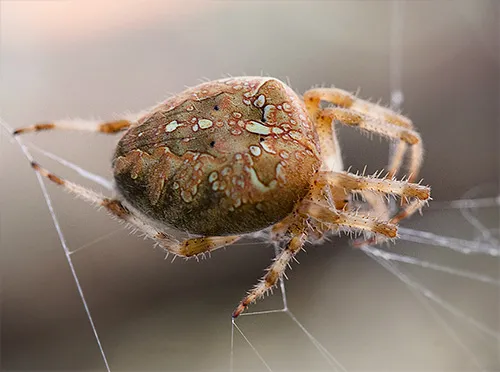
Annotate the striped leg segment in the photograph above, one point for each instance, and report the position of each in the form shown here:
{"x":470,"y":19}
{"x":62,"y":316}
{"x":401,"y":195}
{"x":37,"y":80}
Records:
{"x":276,"y":270}
{"x":108,"y":127}
{"x":406,"y":190}
{"x":195,"y":246}
{"x":343,"y":98}
{"x":349,"y":220}
{"x":352,"y":182}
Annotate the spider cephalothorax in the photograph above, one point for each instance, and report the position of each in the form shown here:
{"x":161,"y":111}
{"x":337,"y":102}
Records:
{"x":241,"y":155}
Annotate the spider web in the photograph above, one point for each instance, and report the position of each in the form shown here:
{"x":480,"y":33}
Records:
{"x":247,"y":341}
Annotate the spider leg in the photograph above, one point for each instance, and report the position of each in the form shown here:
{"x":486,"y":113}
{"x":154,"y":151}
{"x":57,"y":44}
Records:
{"x":279,"y":229}
{"x":108,"y":127}
{"x":406,"y":212}
{"x":370,"y":117}
{"x":380,"y":209}
{"x":330,"y":148}
{"x":187,"y":248}
{"x":352,"y":182}
{"x":376,"y":125}
{"x":277,"y":269}
{"x":297,"y":230}
{"x":195,"y":246}
{"x":349,"y":220}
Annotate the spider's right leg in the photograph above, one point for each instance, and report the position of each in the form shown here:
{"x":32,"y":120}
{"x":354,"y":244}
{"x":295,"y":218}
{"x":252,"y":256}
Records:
{"x":107,"y":127}
{"x":330,"y":148}
{"x":351,"y":182}
{"x":349,"y":220}
{"x":352,"y":111}
{"x":276,"y":270}
{"x":374,"y":118}
{"x":187,"y":248}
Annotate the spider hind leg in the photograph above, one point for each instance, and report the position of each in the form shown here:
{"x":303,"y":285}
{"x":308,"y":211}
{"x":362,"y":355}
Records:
{"x":187,"y":248}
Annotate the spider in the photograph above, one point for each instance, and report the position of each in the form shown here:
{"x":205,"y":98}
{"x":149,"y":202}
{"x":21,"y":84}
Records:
{"x":245,"y":155}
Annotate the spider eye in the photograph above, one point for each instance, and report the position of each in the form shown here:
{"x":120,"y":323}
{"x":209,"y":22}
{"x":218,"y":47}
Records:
{"x":262,"y":139}
{"x":216,"y":108}
{"x":212,"y":144}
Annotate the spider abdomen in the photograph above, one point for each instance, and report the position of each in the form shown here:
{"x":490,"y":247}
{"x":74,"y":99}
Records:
{"x":226,"y":157}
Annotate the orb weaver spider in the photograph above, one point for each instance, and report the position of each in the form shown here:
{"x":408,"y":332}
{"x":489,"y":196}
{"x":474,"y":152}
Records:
{"x":241,"y":155}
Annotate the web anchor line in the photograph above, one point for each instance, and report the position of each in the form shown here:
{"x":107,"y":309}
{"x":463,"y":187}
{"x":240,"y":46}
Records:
{"x":425,"y":296}
{"x":330,"y":359}
{"x":62,"y":240}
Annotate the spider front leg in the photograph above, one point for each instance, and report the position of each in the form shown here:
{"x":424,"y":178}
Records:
{"x":351,"y":182}
{"x":350,"y":221}
{"x":276,"y":270}
{"x":187,"y":248}
{"x":353,"y":111}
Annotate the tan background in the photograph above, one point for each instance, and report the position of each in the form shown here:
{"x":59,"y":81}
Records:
{"x":99,"y":58}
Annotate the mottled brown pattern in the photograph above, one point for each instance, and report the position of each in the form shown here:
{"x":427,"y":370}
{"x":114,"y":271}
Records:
{"x":162,"y":166}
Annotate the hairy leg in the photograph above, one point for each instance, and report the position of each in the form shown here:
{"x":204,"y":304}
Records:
{"x":187,"y":248}
{"x":376,"y":125}
{"x":371,"y":117}
{"x":277,"y":269}
{"x":376,"y":186}
{"x":349,"y":220}
{"x":375,"y":117}
{"x":352,"y":182}
{"x":108,"y":127}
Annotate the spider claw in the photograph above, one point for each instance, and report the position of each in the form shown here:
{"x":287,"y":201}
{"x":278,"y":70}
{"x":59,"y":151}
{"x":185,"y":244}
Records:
{"x":237,"y":312}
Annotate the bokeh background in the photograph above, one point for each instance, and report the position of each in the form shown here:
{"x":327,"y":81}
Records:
{"x":101,"y":58}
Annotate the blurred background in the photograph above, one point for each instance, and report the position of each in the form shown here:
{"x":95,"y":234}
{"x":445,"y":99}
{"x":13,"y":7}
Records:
{"x":99,"y":59}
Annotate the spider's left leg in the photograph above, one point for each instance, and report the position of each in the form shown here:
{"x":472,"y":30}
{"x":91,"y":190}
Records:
{"x":187,"y":248}
{"x":373,"y":118}
{"x":276,"y":270}
{"x":107,"y":127}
